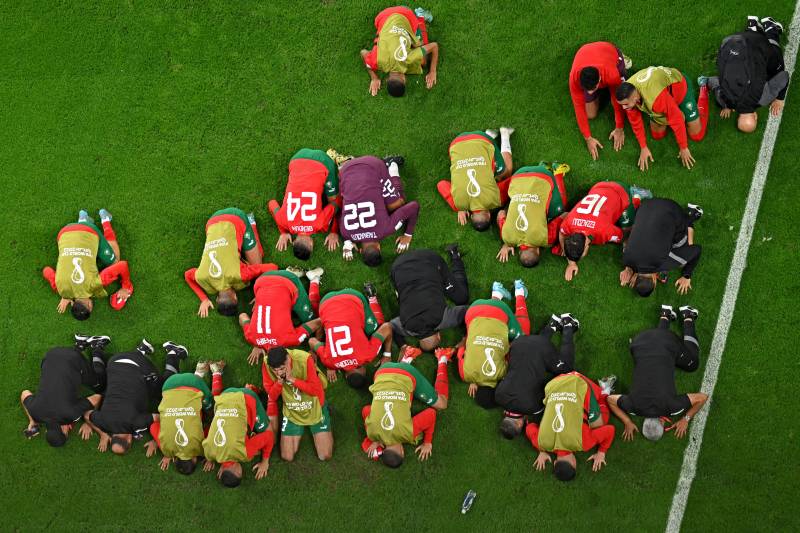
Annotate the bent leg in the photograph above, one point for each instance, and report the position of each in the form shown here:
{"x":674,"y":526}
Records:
{"x":689,"y":360}
{"x":289,"y":446}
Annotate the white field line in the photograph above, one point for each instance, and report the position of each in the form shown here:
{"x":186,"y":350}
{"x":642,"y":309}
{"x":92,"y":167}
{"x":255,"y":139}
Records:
{"x":728,"y":306}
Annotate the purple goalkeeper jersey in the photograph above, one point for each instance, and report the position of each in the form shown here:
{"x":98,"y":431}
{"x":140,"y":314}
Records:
{"x":366,"y":188}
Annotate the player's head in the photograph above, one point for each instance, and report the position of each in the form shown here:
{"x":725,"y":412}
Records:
{"x":227,"y":302}
{"x":747,"y":122}
{"x":484,"y":397}
{"x":645,"y":284}
{"x":54,"y":435}
{"x":81,"y":308}
{"x":529,"y":256}
{"x":185,"y":466}
{"x":277,"y":359}
{"x":431,"y":342}
{"x":564,"y":467}
{"x":627,"y":95}
{"x":652,"y":429}
{"x":371,"y":254}
{"x":302,"y":247}
{"x":356,"y":378}
{"x":230,"y":474}
{"x":121,"y":443}
{"x":575,"y":246}
{"x":511,"y":425}
{"x":396,"y":84}
{"x":481,"y":220}
{"x":392,"y":456}
{"x":590,"y":79}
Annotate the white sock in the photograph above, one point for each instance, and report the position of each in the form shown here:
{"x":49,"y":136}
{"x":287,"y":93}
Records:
{"x":443,"y":360}
{"x":505,"y":140}
{"x":497,"y":295}
{"x":406,"y":360}
{"x":394,"y":170}
{"x":519,"y":292}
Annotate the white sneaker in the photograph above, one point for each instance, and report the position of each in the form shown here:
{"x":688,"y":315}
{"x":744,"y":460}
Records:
{"x":492,"y":133}
{"x":315,"y":273}
{"x":297,"y":271}
{"x":217,"y":366}
{"x":505,"y":130}
{"x":201,"y":369}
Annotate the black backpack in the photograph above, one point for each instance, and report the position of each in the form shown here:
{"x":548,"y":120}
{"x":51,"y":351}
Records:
{"x":742,"y":69}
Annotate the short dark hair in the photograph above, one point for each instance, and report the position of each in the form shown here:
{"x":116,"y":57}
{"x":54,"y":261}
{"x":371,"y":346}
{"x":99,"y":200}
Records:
{"x":624,"y":91}
{"x":230,"y":479}
{"x":185,"y":466}
{"x":395,"y":87}
{"x":530,"y":259}
{"x":644,"y":286}
{"x":54,"y":436}
{"x":484,"y":397}
{"x":509,"y":428}
{"x":563,"y":470}
{"x":119,"y":441}
{"x":301,"y":250}
{"x":80,"y":311}
{"x":276,"y":356}
{"x":574,"y":245}
{"x":371,"y":256}
{"x":481,"y":224}
{"x":589,"y":77}
{"x":391,"y":458}
{"x":227,"y":307}
{"x":356,"y":380}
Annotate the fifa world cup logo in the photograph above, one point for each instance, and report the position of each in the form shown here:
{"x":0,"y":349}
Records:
{"x":214,"y":269}
{"x":77,"y":272}
{"x":181,"y":438}
{"x":473,"y":187}
{"x":489,"y":367}
{"x":296,"y":394}
{"x":401,"y":53}
{"x":220,"y":438}
{"x":522,"y":219}
{"x":558,"y":421}
{"x":387,"y":422}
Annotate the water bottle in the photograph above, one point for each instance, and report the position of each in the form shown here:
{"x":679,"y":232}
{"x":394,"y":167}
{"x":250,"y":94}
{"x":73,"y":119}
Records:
{"x":469,"y":499}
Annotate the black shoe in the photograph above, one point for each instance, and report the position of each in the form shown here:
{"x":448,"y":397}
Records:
{"x":453,"y":250}
{"x":753,"y":24}
{"x":688,"y":312}
{"x":99,"y":341}
{"x":569,"y":321}
{"x":772,"y":26}
{"x":555,"y":323}
{"x":369,"y":290}
{"x":82,"y":341}
{"x":668,"y":312}
{"x":176,"y":349}
{"x":695,"y":211}
{"x":145,"y":348}
{"x":399,"y":159}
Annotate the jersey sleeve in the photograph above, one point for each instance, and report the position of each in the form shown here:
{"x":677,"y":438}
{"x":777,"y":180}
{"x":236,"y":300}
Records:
{"x":371,"y":59}
{"x":578,"y":103}
{"x":410,"y":213}
{"x":312,"y":384}
{"x":189,"y":276}
{"x":251,"y":272}
{"x":424,"y":422}
{"x":50,"y":275}
{"x":155,"y":429}
{"x":637,"y":125}
{"x":278,"y":216}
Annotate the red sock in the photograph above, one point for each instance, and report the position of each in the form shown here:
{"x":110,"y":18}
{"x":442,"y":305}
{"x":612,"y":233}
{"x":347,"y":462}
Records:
{"x":258,"y":239}
{"x":313,"y":296}
{"x":216,"y":384}
{"x":521,"y":313}
{"x":442,"y":384}
{"x":702,"y":106}
{"x":375,"y":306}
{"x":108,"y":231}
{"x":657,"y":135}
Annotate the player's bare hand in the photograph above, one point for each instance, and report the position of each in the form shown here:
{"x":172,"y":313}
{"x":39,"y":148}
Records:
{"x":164,"y":463}
{"x":599,"y":459}
{"x":105,"y":440}
{"x":205,"y":305}
{"x":686,"y":158}
{"x":283,"y":242}
{"x":374,"y":86}
{"x":255,"y":356}
{"x":123,"y":295}
{"x":430,"y":79}
{"x":63,"y":304}
{"x":594,"y":147}
{"x":725,"y":113}
{"x":618,"y":136}
{"x":625,"y":276}
{"x":208,"y":466}
{"x":150,"y":448}
{"x":347,"y":250}
{"x":463,"y":216}
{"x":629,"y":431}
{"x":261,"y":468}
{"x":332,"y":242}
{"x":424,"y":450}
{"x":680,"y":427}
{"x":372,"y":450}
{"x":403,"y":243}
{"x":472,"y":389}
{"x":505,"y":250}
{"x":383,"y":360}
{"x":85,"y":431}
{"x":571,"y":271}
{"x":776,"y":107}
{"x":541,"y":461}
{"x":645,"y":158}
{"x":683,"y":285}
{"x":332,"y":375}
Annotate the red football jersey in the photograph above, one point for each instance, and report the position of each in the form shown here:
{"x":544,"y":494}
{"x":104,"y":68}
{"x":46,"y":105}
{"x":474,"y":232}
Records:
{"x":597,"y":214}
{"x":271,"y":321}
{"x":346,"y":343}
{"x":302,"y":211}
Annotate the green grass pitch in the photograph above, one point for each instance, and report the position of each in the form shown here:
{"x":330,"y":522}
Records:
{"x":165,"y":114}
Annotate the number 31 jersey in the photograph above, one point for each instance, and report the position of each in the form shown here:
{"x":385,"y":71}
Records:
{"x":597,"y":213}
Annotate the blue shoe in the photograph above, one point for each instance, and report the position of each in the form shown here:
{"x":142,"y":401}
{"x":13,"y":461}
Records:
{"x":425,"y":14}
{"x":83,"y":215}
{"x":498,"y":287}
{"x":641,"y":192}
{"x":105,"y":216}
{"x":702,"y":81}
{"x":519,"y":284}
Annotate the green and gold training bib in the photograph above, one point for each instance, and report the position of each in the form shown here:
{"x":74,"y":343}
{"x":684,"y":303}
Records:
{"x":227,"y":435}
{"x":472,"y":182}
{"x":299,"y":407}
{"x":650,"y":82}
{"x":562,"y":421}
{"x":526,"y":221}
{"x":396,"y":42}
{"x":389,"y":421}
{"x":76,"y":271}
{"x":486,"y":349}
{"x":180,"y":418}
{"x":220,"y":266}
